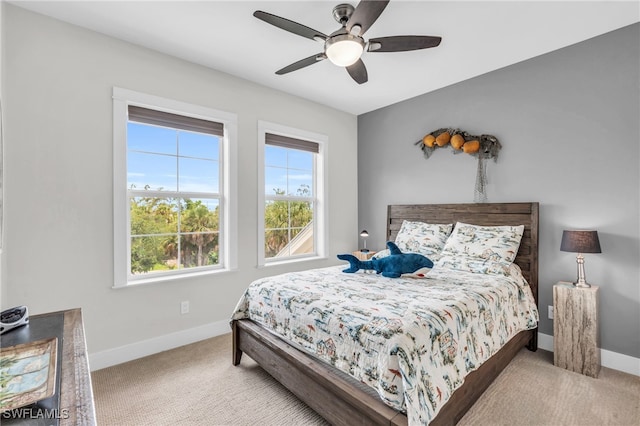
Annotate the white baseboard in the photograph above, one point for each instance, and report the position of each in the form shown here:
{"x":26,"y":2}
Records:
{"x":144,"y":348}
{"x":545,"y":342}
{"x":110,"y":357}
{"x":613,"y":360}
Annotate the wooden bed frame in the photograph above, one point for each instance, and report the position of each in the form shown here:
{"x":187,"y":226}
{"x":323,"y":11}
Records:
{"x":342,"y":400}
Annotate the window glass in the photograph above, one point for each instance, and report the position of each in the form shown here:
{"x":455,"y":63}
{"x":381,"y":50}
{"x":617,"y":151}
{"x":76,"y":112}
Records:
{"x":145,"y":138}
{"x":288,"y":223}
{"x":275,"y":156}
{"x":197,"y":175}
{"x":153,"y":233}
{"x":172,"y":232}
{"x":198,"y":145}
{"x":199,"y":236}
{"x":301,"y":160}
{"x":151,"y":171}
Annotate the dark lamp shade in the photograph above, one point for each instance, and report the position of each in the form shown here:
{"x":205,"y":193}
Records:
{"x":364,"y":233}
{"x":580,"y":242}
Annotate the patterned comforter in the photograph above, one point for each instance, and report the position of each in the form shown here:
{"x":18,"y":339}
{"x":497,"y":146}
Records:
{"x":413,"y":340}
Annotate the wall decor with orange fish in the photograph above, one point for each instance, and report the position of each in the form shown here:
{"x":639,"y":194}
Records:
{"x":459,"y":141}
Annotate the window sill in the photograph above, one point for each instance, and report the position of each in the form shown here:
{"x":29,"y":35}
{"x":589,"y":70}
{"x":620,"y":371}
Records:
{"x":292,"y":261}
{"x":176,"y":277}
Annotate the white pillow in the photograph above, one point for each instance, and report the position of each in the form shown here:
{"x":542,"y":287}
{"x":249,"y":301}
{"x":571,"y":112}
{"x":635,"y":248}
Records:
{"x":494,"y":243}
{"x":424,"y":238}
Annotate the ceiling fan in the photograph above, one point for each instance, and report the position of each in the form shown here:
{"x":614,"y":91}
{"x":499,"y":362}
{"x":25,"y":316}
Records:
{"x":345,"y":46}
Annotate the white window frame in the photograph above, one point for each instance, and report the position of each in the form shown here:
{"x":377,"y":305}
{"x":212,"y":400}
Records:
{"x":228,"y":238}
{"x":321,"y":210}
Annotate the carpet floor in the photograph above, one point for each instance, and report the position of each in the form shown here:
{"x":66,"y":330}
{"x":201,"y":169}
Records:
{"x":197,"y":385}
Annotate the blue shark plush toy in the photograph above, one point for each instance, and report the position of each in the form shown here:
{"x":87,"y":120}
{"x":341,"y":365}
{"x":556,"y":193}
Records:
{"x":392,"y":266}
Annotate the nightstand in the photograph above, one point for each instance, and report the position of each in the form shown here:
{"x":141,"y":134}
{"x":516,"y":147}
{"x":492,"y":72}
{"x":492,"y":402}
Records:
{"x":576,"y":334}
{"x":363,"y":255}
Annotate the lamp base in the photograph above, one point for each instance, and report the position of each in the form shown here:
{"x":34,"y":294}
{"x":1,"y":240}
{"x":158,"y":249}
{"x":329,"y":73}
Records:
{"x":582,"y":280}
{"x":364,"y":250}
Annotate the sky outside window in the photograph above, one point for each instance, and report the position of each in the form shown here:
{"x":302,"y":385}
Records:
{"x":160,"y":158}
{"x":287,"y":170}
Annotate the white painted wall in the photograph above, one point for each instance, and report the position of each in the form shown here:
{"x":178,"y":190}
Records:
{"x":59,"y":178}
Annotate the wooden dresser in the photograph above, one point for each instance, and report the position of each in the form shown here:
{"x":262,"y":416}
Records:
{"x":72,"y":403}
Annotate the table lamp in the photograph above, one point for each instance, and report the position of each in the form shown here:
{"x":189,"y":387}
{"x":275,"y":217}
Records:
{"x":364,"y":234}
{"x":580,"y":242}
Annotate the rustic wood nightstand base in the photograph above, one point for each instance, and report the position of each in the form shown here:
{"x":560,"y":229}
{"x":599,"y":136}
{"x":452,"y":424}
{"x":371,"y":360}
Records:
{"x":363,"y":255}
{"x":576,"y":337}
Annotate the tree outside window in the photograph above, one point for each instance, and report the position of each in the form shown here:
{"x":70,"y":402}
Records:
{"x":289,"y":197}
{"x":173,"y":180}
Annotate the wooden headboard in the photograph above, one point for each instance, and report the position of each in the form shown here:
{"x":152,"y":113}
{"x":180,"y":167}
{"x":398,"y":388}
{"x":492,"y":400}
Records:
{"x":479,"y":214}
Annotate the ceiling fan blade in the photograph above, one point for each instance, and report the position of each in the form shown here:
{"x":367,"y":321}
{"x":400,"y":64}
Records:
{"x":358,"y":72}
{"x":302,"y":63}
{"x":365,"y":14}
{"x":402,"y":43}
{"x":287,"y":25}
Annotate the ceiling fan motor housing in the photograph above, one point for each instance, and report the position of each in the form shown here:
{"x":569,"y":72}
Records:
{"x":342,"y":13}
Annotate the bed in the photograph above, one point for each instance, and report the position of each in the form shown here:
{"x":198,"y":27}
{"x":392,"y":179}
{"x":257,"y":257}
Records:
{"x":342,"y":399}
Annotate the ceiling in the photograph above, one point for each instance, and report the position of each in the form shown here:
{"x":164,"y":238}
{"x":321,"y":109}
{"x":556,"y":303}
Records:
{"x":477,"y":37}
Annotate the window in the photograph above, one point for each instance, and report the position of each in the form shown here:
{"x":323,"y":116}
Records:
{"x":173,"y":198}
{"x":292,"y":219}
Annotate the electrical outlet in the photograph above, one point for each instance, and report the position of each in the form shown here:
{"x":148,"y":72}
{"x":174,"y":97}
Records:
{"x":184,"y":307}
{"x":550,"y":312}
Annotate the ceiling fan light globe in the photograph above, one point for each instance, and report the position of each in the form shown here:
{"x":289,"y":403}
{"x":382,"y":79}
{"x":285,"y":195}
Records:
{"x":344,"y":50}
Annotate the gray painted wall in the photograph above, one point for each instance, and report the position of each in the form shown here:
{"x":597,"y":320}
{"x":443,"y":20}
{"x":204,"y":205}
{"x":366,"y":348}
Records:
{"x":58,"y":250}
{"x":569,"y":125}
